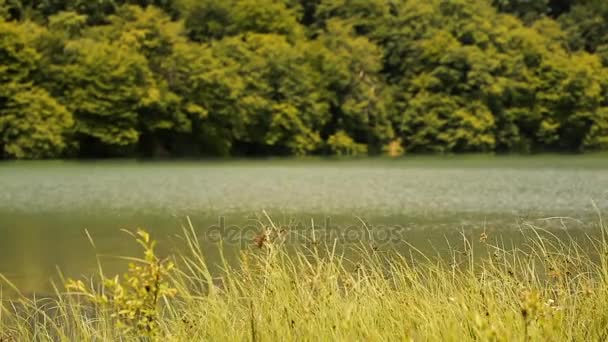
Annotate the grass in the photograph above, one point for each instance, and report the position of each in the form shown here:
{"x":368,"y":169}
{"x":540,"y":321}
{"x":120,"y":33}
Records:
{"x":547,"y":289}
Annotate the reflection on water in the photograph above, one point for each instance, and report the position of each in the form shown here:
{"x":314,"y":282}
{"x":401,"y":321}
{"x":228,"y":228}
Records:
{"x":46,"y":206}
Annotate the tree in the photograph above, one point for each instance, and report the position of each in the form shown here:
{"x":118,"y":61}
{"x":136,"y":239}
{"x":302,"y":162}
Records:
{"x":32,"y":123}
{"x":587,"y":27}
{"x":280,"y":107}
{"x":364,"y":16}
{"x":166,"y":114}
{"x":355,"y":90}
{"x":207,"y":85}
{"x":444,"y":76}
{"x":95,"y":11}
{"x":528,"y":10}
{"x":294,"y":77}
{"x":483,"y":80}
{"x":209,"y":19}
{"x":106,"y":86}
{"x":4,"y":10}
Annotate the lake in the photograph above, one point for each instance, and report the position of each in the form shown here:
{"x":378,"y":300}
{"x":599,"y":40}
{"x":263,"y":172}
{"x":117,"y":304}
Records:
{"x":45,"y":207}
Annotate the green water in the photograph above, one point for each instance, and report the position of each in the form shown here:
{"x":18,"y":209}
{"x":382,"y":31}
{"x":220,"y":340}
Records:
{"x":45,"y":207}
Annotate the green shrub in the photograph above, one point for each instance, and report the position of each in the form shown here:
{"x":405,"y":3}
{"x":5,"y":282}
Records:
{"x":342,"y":145}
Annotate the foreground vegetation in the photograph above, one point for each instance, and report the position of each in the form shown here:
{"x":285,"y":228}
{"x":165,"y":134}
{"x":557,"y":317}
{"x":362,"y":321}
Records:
{"x":295,"y":77}
{"x":546,"y":290}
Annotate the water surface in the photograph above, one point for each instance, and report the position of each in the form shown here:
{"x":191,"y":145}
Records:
{"x":45,"y":207}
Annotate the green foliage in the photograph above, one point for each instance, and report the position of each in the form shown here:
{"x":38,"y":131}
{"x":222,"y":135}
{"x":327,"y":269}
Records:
{"x":282,"y":77}
{"x":18,"y":57}
{"x":95,"y":11}
{"x":165,"y":112}
{"x":106,"y":85}
{"x":207,"y":19}
{"x":278,"y":105}
{"x":134,"y":299}
{"x":356,"y":91}
{"x":264,"y":16}
{"x":475,"y":84}
{"x":210,"y":19}
{"x":530,"y":10}
{"x":4,"y":10}
{"x":364,"y":15}
{"x":443,"y":99}
{"x":69,"y":23}
{"x":587,"y":27}
{"x":33,"y":125}
{"x":342,"y":145}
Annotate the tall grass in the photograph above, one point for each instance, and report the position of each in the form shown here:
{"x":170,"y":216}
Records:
{"x":547,"y":289}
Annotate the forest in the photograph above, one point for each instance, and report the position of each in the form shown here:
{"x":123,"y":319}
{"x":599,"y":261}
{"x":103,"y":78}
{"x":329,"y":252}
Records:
{"x":194,"y":78}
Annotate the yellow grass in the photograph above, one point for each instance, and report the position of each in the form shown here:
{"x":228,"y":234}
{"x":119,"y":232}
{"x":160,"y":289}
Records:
{"x":544,"y":290}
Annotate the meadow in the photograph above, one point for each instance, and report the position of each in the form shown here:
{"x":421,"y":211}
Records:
{"x":547,"y":289}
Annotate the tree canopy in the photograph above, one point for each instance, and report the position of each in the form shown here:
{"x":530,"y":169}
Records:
{"x":113,"y":78}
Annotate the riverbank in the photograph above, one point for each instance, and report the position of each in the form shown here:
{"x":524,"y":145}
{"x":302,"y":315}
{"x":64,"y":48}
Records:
{"x":546,"y":288}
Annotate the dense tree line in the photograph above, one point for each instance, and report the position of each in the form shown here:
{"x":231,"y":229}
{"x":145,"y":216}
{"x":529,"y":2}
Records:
{"x":110,"y":78}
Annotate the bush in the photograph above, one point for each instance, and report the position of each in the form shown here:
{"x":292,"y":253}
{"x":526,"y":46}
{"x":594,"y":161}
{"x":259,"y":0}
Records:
{"x":342,"y":145}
